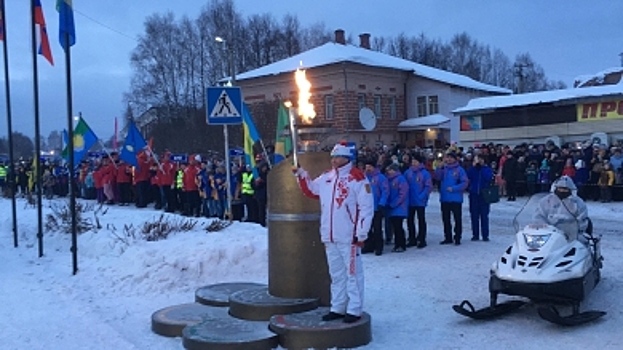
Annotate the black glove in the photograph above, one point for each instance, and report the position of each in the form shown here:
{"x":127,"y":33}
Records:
{"x":356,"y":242}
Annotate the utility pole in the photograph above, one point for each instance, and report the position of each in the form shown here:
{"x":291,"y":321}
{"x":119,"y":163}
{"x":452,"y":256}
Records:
{"x":519,"y":73}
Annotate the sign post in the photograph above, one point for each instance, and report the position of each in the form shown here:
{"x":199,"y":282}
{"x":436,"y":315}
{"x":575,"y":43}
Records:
{"x":224,"y":107}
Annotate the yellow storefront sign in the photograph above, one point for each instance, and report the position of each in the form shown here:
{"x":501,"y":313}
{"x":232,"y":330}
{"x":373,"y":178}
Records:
{"x":600,"y":111}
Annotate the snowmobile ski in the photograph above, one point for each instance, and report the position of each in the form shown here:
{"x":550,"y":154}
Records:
{"x":467,"y":309}
{"x":552,"y":315}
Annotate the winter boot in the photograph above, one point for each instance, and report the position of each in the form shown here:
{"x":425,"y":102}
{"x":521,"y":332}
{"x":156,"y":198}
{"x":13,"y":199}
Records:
{"x":332,"y":316}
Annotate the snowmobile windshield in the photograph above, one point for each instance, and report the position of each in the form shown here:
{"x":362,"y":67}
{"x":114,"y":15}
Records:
{"x":547,"y":209}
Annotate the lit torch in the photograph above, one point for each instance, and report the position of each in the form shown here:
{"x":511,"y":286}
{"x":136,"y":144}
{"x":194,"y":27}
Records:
{"x":305,"y":110}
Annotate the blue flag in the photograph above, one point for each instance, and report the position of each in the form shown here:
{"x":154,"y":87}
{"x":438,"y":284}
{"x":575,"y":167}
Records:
{"x":66,"y":26}
{"x":134,"y":142}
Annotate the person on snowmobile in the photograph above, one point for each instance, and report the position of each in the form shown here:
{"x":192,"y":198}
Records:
{"x":563,"y":209}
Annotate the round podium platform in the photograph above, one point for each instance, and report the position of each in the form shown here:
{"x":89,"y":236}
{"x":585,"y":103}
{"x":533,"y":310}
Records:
{"x":258,"y":305}
{"x":170,"y":321}
{"x":218,"y":294}
{"x":307,"y":330}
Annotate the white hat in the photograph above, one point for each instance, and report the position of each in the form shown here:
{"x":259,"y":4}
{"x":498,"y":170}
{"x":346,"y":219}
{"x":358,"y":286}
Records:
{"x":566,"y":182}
{"x":341,"y":150}
{"x":198,"y":158}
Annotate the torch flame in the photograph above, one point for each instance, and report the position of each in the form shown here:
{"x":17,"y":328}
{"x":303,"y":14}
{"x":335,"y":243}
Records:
{"x":305,"y":108}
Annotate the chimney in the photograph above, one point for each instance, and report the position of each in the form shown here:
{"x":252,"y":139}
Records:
{"x":364,"y":40}
{"x":340,"y":38}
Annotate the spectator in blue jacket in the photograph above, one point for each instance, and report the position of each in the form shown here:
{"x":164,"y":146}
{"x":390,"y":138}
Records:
{"x":452,"y":183}
{"x":480,"y":176}
{"x":380,"y":190}
{"x":420,"y":187}
{"x":398,"y":203}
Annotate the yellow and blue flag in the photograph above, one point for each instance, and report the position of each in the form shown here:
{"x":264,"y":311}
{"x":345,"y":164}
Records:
{"x":251,"y":136}
{"x":66,"y":26}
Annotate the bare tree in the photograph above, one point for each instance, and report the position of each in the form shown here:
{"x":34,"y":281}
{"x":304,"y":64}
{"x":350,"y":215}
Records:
{"x":55,"y":140}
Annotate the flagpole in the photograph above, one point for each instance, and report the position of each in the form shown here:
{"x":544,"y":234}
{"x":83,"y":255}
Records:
{"x":114,"y":140}
{"x":105,"y":150}
{"x":70,"y":150}
{"x":7,"y":89}
{"x":37,"y":175}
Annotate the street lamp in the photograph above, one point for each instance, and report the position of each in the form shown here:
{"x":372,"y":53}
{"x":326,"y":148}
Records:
{"x":232,"y":81}
{"x":231,"y":69}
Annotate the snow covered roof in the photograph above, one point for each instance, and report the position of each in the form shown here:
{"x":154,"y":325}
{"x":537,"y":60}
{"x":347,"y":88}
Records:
{"x":331,"y":53}
{"x":599,"y":77}
{"x":424,"y":122}
{"x":534,"y":98}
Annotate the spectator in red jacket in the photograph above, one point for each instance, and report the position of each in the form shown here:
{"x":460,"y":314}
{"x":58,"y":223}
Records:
{"x":167,"y":173}
{"x":124,"y":182}
{"x":192,"y":205}
{"x":141,"y":174}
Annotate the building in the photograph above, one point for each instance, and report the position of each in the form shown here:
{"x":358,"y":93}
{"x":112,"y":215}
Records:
{"x":592,"y":109}
{"x":411,"y":103}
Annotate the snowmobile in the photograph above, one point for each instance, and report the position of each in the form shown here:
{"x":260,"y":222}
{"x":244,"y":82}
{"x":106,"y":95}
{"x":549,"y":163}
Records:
{"x":545,"y":266}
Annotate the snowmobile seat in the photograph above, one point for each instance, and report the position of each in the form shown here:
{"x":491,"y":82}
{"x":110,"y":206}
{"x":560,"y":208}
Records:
{"x":589,"y":227}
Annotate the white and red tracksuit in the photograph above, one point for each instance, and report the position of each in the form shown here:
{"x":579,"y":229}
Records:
{"x":346,"y":211}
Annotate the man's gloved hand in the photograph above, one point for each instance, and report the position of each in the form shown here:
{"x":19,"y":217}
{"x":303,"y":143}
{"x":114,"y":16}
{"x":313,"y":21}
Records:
{"x":297,"y":170}
{"x":357,"y":242}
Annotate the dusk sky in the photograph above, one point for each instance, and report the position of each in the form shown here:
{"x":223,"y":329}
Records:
{"x":567,"y":38}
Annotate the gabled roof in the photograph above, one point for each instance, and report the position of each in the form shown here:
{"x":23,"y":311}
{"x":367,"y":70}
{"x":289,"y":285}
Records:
{"x":535,"y":98}
{"x":331,"y":53}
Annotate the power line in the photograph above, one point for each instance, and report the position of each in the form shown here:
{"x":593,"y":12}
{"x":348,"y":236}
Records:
{"x":104,"y":25}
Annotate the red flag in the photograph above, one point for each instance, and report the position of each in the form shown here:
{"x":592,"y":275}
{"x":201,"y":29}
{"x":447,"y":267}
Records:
{"x":44,"y":43}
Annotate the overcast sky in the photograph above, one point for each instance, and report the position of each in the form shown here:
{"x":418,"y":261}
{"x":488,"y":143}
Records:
{"x":568,"y":38}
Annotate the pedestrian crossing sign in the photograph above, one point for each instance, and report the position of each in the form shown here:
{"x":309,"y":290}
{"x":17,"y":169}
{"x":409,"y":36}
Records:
{"x":224,"y":105}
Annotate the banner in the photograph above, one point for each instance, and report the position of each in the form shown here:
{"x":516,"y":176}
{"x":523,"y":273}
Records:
{"x":600,"y":111}
{"x":471,"y":123}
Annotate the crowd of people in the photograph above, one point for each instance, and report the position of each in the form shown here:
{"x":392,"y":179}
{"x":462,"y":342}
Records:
{"x":401,"y":178}
{"x":194,"y":187}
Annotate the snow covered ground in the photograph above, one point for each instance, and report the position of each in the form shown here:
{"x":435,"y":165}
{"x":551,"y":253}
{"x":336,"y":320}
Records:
{"x":108,"y":304}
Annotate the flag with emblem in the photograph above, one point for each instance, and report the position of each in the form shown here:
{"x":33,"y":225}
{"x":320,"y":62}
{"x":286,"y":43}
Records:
{"x":84,"y":139}
{"x":134,"y":142}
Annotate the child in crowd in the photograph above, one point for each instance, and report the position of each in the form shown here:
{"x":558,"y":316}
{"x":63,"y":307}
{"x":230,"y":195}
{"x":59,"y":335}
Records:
{"x":605,"y":183}
{"x":532,"y":175}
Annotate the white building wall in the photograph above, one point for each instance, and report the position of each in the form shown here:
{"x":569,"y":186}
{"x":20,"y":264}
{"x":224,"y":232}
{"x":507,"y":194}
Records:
{"x":449,"y":97}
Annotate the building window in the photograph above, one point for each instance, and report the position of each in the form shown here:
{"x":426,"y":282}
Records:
{"x":421,"y":106}
{"x":377,"y":106}
{"x":328,"y":106}
{"x":361,"y":100}
{"x":433,"y":105}
{"x":392,"y":107}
